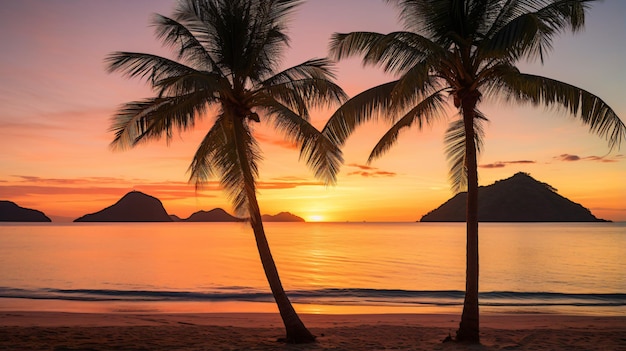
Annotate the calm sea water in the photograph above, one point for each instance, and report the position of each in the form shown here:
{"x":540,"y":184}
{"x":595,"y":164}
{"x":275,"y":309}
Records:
{"x":325,"y":267}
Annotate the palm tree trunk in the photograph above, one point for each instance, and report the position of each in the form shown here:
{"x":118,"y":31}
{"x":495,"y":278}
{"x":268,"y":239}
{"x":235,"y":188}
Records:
{"x":469,"y":327}
{"x":297,"y":333}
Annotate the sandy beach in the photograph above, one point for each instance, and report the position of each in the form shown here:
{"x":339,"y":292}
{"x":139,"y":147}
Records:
{"x":259,"y":331}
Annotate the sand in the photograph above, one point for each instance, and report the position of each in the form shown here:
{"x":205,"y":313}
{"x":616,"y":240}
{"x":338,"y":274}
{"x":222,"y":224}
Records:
{"x":259,"y":331}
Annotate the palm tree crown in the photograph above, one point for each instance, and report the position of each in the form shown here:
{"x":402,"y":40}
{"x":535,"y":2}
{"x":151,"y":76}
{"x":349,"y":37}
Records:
{"x":228,"y":55}
{"x":465,"y":51}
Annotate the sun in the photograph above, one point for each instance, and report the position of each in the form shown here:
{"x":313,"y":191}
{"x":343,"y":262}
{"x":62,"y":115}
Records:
{"x":316,"y":218}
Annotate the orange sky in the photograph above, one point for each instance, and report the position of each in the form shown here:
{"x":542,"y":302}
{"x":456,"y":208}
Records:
{"x":56,"y":101}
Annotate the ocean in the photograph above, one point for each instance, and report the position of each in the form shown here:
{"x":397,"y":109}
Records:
{"x":575,"y":268}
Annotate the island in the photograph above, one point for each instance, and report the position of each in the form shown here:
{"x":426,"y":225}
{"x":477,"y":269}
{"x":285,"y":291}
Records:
{"x":132,"y":207}
{"x":282,"y":217}
{"x":12,"y":212}
{"x":139,"y":207}
{"x":214,"y":215}
{"x":519,"y":198}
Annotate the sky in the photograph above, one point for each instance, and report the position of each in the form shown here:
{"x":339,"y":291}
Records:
{"x":56,"y":101}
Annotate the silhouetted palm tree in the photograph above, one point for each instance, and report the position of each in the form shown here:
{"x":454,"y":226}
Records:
{"x":228,"y":55}
{"x":465,"y":50}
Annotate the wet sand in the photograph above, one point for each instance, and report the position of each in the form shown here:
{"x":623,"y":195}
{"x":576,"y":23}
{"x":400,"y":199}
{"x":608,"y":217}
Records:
{"x":259,"y":331}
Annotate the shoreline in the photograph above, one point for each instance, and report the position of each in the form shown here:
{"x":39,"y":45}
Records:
{"x":9,"y":304}
{"x":36,"y":330}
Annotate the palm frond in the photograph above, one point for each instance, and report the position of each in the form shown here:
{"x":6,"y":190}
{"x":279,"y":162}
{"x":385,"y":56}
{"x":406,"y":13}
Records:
{"x":200,"y":19}
{"x":206,"y":163}
{"x":394,"y":52}
{"x":359,"y":109}
{"x":455,"y":154}
{"x":429,"y":17}
{"x":313,"y":68}
{"x":345,"y":45}
{"x":415,"y":79}
{"x":190,"y":48}
{"x":321,"y":155}
{"x":399,"y":51}
{"x":152,"y":118}
{"x":223,"y":28}
{"x":423,"y":113}
{"x":302,"y":94}
{"x":455,"y":149}
{"x":592,"y":111}
{"x":303,"y":86}
{"x":479,"y":14}
{"x":153,"y":68}
{"x":225,"y":152}
{"x":445,"y":22}
{"x":532,"y":32}
{"x":414,"y":86}
{"x":272,"y":17}
{"x":248,"y":37}
{"x":211,"y":85}
{"x":266,"y":40}
{"x":279,"y":9}
{"x":502,"y":13}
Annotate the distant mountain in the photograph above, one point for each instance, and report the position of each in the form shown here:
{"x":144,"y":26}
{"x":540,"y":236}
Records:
{"x":175,"y":218}
{"x":132,"y":207}
{"x":215,"y":215}
{"x":11,"y":212}
{"x":281,"y":217}
{"x":519,"y":198}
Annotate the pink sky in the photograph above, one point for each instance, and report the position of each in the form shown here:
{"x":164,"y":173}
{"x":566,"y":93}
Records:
{"x":56,"y":100}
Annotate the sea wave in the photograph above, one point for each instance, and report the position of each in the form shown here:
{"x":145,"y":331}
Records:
{"x":330,"y":296}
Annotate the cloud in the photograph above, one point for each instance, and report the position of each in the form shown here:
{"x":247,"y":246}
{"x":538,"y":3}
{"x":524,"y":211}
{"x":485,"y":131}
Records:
{"x":501,"y":164}
{"x":286,"y":184}
{"x":278,"y":142}
{"x":160,"y":191}
{"x":364,"y":167}
{"x":604,"y":159}
{"x":373,"y":174}
{"x":11,"y":191}
{"x":562,"y":157}
{"x":368,"y":171}
{"x":24,"y":185}
{"x":574,"y":158}
{"x":77,"y":181}
{"x":568,"y":158}
{"x":57,"y":121}
{"x":289,"y":179}
{"x":493,"y":165}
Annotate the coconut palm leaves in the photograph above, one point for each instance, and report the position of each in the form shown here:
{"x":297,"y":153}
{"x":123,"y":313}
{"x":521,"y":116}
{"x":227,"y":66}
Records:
{"x":592,"y":111}
{"x":226,"y":68}
{"x":465,"y":51}
{"x":216,"y":70}
{"x":455,"y":149}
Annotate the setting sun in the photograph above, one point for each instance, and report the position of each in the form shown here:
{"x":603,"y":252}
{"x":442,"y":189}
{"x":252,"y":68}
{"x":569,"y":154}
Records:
{"x":315,"y":218}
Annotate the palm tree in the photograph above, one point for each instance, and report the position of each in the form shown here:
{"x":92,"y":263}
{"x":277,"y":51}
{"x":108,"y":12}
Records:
{"x":228,"y":52}
{"x":464,"y":51}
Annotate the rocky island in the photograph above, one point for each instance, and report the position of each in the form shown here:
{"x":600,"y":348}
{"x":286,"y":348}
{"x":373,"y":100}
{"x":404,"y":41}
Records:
{"x":214,"y":215}
{"x":282,"y":217}
{"x":139,"y":207}
{"x":519,"y":198}
{"x":11,"y":212}
{"x":132,"y":207}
